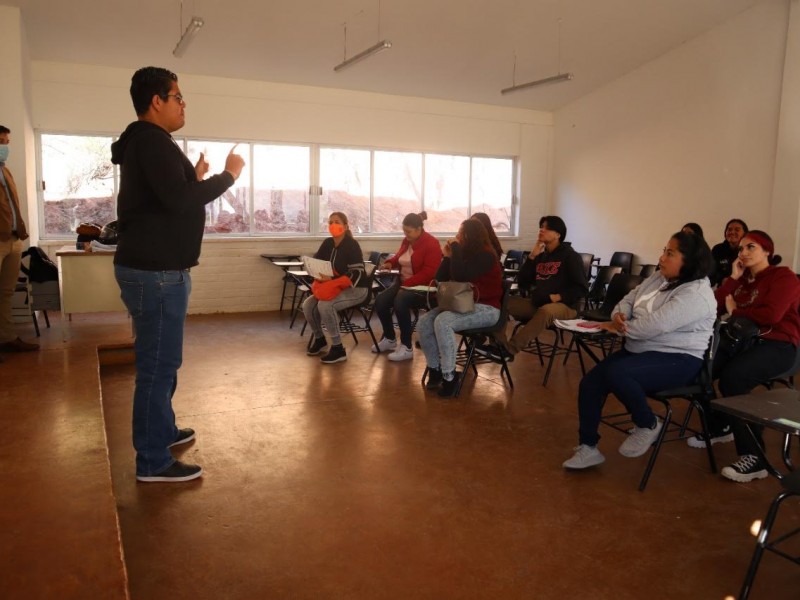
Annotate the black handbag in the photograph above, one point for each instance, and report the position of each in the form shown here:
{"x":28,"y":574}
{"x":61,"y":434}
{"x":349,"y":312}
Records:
{"x":738,"y":335}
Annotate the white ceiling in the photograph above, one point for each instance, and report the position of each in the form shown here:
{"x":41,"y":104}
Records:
{"x":449,"y":49}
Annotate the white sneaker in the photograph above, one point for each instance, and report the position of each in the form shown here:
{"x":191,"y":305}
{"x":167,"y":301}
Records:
{"x":384,"y":345}
{"x":402,"y":353}
{"x":640,"y":440}
{"x":584,"y":457}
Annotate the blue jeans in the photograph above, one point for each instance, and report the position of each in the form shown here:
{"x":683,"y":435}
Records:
{"x":437,"y":328}
{"x":630,"y":377}
{"x":402,"y":301}
{"x":326,"y":312}
{"x":157,"y":302}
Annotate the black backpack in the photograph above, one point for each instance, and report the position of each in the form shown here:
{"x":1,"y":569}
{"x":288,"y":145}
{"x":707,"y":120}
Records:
{"x":41,"y":268}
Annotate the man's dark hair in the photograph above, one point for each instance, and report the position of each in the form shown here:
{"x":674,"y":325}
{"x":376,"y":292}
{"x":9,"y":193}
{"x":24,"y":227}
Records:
{"x":4,"y":129}
{"x":555,"y":224}
{"x":697,"y":259}
{"x":148,"y":82}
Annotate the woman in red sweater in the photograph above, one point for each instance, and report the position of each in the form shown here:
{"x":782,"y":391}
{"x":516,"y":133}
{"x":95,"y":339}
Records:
{"x":768,"y":295}
{"x":417,"y":259}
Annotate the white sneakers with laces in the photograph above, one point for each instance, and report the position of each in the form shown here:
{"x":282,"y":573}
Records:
{"x":639,"y":442}
{"x":584,"y":457}
{"x":384,"y":345}
{"x":402,"y":353}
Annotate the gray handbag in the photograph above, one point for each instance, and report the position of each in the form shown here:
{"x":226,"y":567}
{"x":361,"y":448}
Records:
{"x":456,"y":296}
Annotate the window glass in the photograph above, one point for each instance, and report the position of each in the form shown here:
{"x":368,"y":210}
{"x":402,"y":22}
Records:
{"x":78,"y":181}
{"x":344,"y":175}
{"x":446,"y":191}
{"x":493,"y":190}
{"x":230,"y":213}
{"x":397,"y":190}
{"x":281,"y":179}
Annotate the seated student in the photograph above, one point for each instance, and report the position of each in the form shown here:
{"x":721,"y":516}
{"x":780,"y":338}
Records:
{"x":693,"y":228}
{"x":768,"y":296}
{"x":557,"y":273}
{"x":727,"y":252}
{"x":487,"y":223}
{"x":418,"y":259}
{"x":349,"y":286}
{"x":667,"y":322}
{"x":468,"y":257}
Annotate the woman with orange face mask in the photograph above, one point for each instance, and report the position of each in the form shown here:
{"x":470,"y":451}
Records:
{"x":349,"y":286}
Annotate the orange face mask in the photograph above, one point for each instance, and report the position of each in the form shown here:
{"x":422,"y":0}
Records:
{"x":336,"y":229}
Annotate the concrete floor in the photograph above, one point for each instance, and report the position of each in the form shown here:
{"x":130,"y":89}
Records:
{"x":350,"y":481}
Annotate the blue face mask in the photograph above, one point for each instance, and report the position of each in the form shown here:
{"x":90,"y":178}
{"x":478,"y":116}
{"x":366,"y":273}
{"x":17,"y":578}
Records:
{"x":3,"y":153}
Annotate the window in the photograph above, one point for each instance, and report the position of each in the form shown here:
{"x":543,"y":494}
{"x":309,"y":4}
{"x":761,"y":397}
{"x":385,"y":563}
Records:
{"x":398,"y":189}
{"x":446,"y":191}
{"x":344,"y":175}
{"x":78,"y":183}
{"x":290,"y":189}
{"x":230,"y":213}
{"x":281,"y":180}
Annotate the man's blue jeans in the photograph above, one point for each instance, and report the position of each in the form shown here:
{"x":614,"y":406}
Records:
{"x":157,"y":302}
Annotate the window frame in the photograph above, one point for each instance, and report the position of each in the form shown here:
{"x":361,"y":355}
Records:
{"x":314,"y":193}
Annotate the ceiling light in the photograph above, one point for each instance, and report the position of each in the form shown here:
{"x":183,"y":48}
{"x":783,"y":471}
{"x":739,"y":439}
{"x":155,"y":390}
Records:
{"x":553,"y":79}
{"x":191,"y":30}
{"x":382,"y":45}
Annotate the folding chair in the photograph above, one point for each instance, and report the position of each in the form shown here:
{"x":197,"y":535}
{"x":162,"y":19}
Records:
{"x":622,"y":259}
{"x":701,"y":389}
{"x":346,"y":324}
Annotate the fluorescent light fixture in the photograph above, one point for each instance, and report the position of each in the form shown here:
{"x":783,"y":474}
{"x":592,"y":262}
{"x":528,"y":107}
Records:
{"x":382,"y":45}
{"x":191,"y":30}
{"x":553,"y":79}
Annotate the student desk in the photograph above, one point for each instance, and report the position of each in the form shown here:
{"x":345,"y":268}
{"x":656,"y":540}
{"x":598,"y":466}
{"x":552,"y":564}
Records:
{"x":86,"y":281}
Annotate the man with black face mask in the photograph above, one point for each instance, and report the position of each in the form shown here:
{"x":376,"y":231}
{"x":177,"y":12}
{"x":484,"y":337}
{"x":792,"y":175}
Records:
{"x":12,"y":234}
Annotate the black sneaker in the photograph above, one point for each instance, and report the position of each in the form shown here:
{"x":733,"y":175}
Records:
{"x":184,"y":435}
{"x":335,"y":354}
{"x":717,"y":437}
{"x":176,"y":472}
{"x":317,"y":346}
{"x":448,"y":389}
{"x":747,"y":468}
{"x":434,"y":379}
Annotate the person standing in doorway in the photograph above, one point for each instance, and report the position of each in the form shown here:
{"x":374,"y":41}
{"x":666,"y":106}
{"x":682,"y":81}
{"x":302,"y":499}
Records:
{"x":12,"y":235}
{"x":161,"y":216}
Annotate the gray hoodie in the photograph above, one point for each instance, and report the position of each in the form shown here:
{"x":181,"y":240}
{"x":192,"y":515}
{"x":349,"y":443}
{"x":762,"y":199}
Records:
{"x":679,"y":320}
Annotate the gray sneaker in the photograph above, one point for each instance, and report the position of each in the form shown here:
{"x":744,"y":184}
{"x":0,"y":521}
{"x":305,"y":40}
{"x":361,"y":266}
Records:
{"x":640,"y":440}
{"x":584,"y":457}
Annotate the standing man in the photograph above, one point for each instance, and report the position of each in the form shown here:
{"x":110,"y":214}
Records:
{"x":12,"y":233}
{"x":556,"y":272}
{"x":161,"y":215}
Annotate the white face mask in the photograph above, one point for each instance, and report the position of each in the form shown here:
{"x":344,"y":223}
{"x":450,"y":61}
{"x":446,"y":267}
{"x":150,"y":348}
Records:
{"x":3,"y":153}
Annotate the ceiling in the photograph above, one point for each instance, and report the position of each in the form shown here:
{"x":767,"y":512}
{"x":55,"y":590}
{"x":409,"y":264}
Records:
{"x":459,"y":50}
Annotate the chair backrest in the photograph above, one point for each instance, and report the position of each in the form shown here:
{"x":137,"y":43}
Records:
{"x":515,"y":258}
{"x":374,"y":257}
{"x":648,"y":270}
{"x":620,"y":285}
{"x":622,"y":259}
{"x":604,"y":276}
{"x":706,"y":376}
{"x":587,"y":263}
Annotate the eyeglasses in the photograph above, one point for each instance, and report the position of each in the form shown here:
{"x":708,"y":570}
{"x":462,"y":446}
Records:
{"x":177,"y":97}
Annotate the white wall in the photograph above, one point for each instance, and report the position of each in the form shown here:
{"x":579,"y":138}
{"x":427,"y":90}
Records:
{"x":690,"y":136}
{"x":232,"y":276}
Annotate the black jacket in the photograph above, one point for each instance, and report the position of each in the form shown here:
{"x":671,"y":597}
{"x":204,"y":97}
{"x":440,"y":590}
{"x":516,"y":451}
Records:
{"x":557,"y":272}
{"x":161,"y":205}
{"x":347,"y":259}
{"x":724,"y":257}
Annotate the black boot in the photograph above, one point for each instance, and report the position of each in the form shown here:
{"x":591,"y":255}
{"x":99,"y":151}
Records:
{"x":448,"y":389}
{"x":434,"y":379}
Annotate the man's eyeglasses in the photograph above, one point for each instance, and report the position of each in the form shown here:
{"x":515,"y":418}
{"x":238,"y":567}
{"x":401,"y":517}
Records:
{"x":177,"y":97}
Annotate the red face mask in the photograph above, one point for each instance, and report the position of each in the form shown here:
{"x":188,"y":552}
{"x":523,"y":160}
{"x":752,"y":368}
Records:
{"x":336,"y":229}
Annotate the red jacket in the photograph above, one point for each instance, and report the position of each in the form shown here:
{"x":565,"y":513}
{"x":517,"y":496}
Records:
{"x":424,"y":262}
{"x":770,"y":300}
